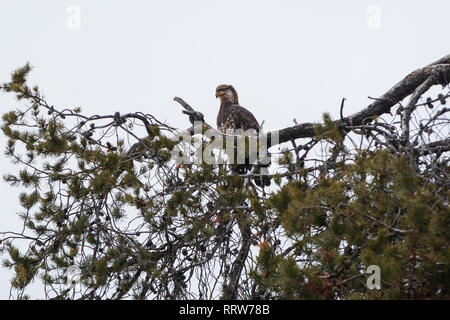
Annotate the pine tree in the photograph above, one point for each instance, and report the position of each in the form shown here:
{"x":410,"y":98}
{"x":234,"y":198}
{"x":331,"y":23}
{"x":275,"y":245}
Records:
{"x":371,"y":189}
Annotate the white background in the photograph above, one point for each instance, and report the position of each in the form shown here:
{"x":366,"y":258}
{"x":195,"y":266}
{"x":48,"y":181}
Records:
{"x":287,"y":59}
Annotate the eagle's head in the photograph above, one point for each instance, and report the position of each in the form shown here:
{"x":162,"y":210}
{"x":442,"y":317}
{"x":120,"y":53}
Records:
{"x":226,"y":93}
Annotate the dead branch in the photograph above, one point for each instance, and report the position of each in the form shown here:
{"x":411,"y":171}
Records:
{"x":417,"y":82}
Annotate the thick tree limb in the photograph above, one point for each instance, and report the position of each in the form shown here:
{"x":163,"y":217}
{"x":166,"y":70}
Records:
{"x":382,"y":105}
{"x":238,"y":264}
{"x":438,"y":72}
{"x":433,"y":147}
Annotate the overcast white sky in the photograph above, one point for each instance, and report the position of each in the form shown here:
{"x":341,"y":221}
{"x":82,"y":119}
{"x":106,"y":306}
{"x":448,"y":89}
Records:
{"x":286,"y":58}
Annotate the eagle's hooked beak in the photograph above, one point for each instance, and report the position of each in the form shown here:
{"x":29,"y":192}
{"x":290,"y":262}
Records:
{"x":219,"y":93}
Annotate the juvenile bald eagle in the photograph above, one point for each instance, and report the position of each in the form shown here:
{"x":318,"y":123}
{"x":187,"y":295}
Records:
{"x":233,"y":116}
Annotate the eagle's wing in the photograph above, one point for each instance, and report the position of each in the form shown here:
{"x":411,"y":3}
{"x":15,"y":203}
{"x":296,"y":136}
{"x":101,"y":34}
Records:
{"x":244,"y":119}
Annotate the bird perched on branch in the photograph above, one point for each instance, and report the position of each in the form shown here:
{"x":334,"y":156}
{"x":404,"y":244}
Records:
{"x":233,"y":116}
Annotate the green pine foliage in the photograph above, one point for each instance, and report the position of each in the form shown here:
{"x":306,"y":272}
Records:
{"x":377,"y":208}
{"x":139,"y":226}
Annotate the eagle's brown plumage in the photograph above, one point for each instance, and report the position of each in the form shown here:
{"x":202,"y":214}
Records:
{"x":233,"y":116}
